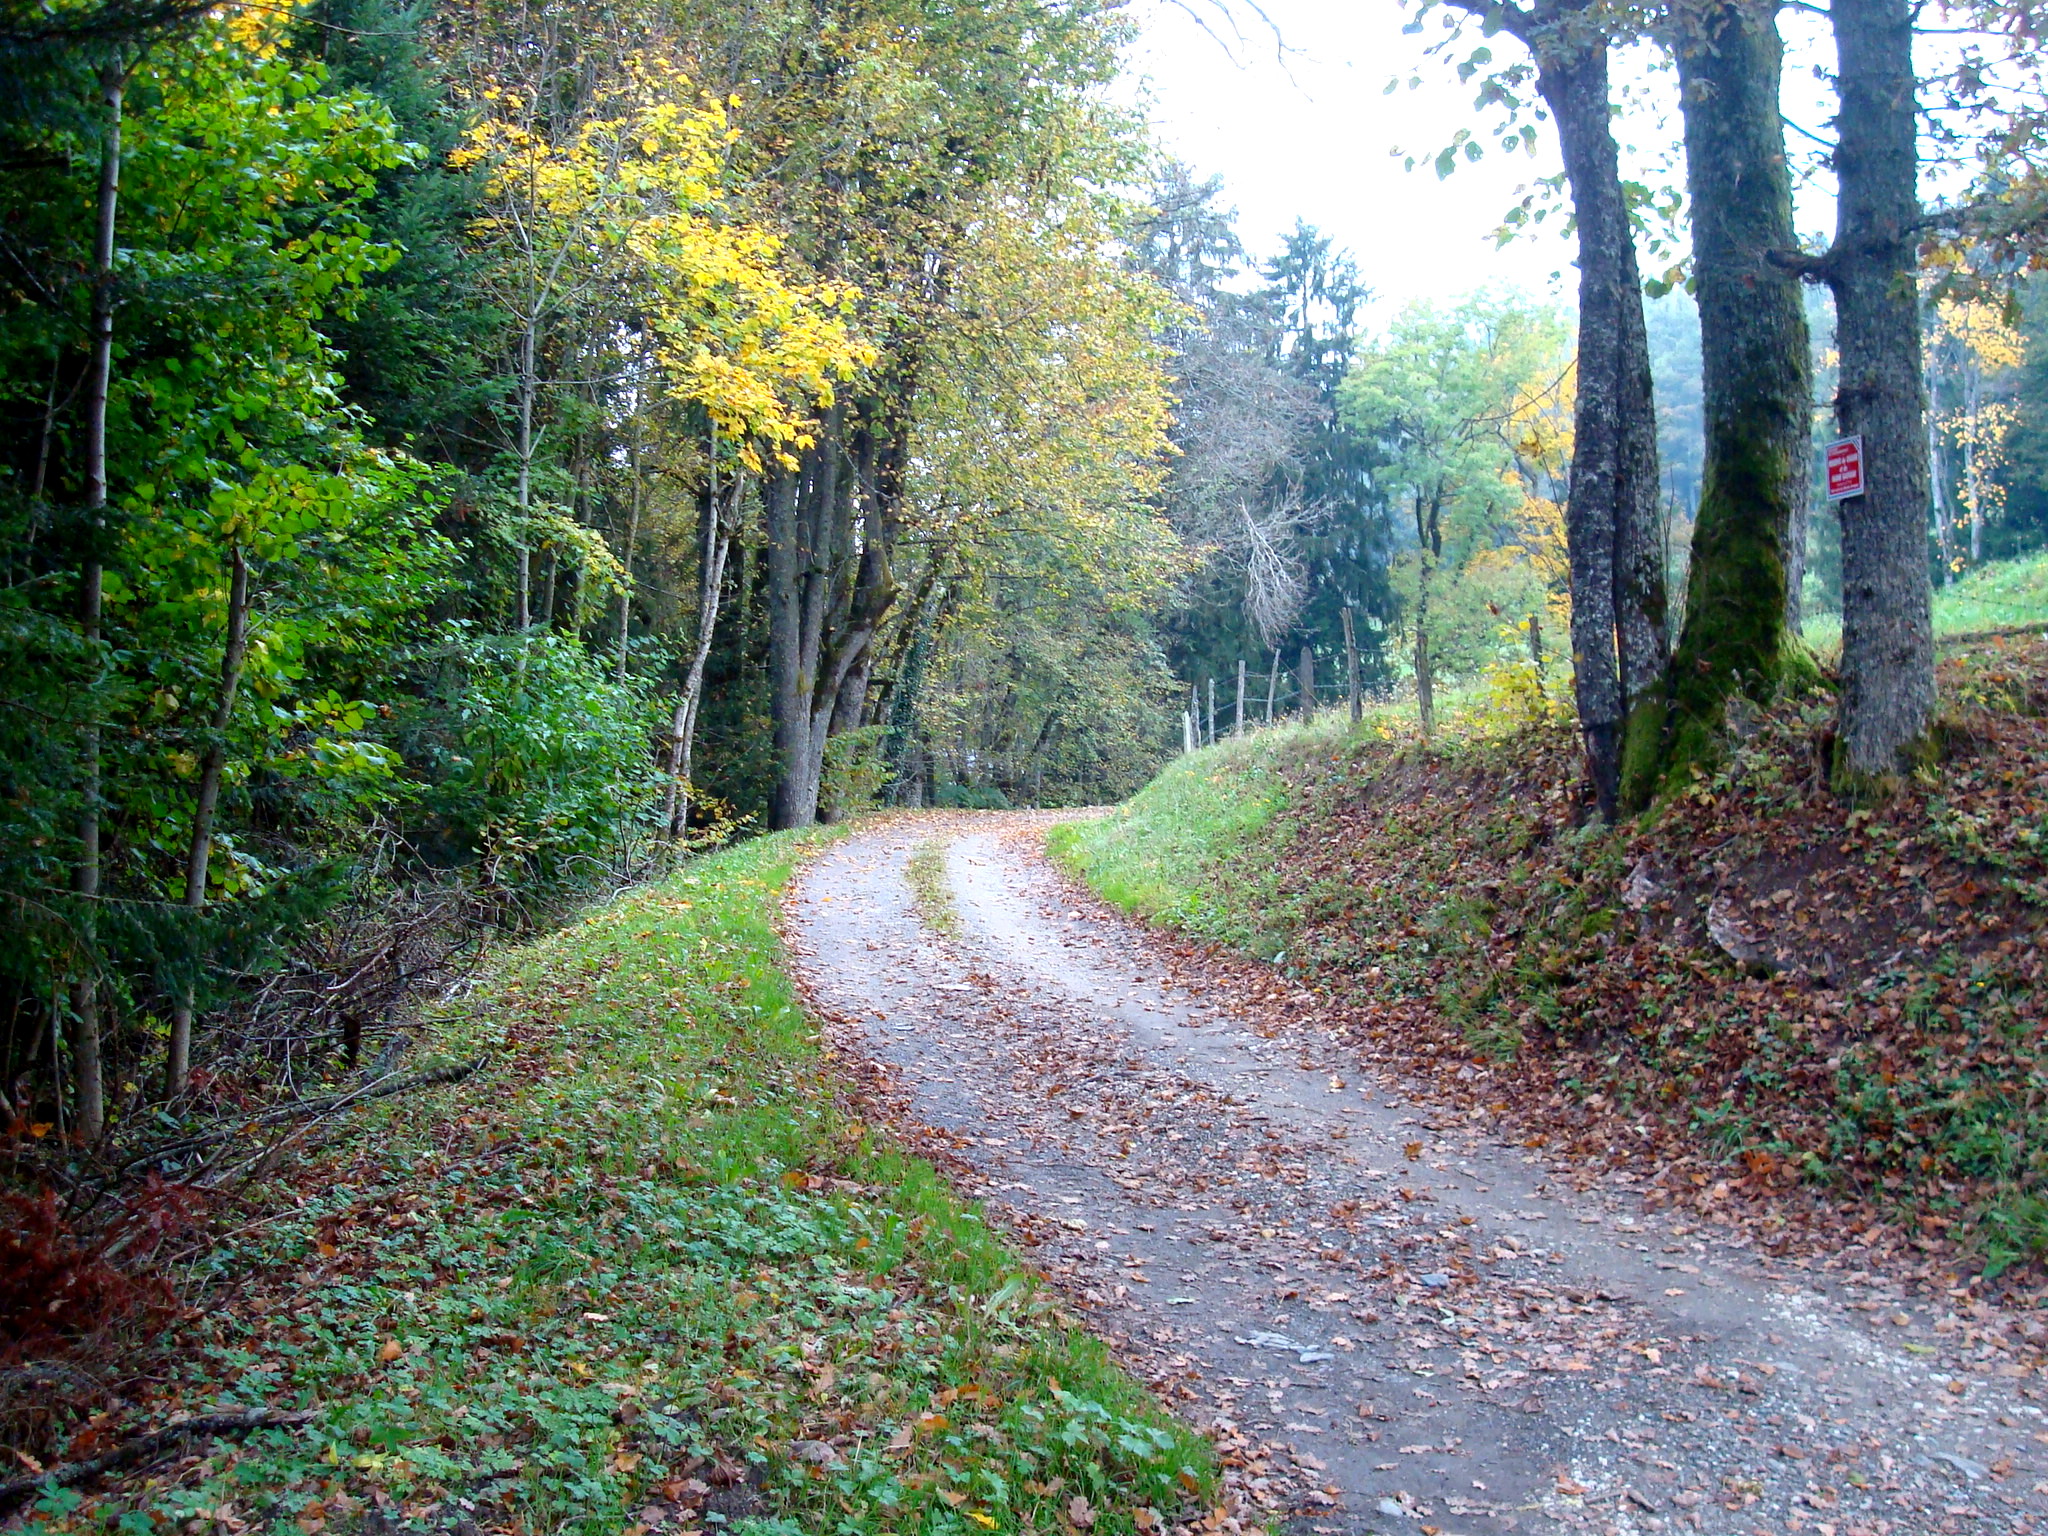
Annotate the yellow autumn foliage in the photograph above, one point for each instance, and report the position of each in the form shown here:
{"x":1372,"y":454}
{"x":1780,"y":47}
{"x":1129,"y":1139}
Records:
{"x":635,"y":195}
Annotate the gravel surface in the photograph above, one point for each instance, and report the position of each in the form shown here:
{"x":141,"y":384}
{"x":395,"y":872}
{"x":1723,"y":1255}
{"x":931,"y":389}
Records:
{"x":1390,"y":1320}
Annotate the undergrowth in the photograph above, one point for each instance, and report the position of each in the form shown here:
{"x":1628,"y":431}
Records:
{"x":648,"y":1270}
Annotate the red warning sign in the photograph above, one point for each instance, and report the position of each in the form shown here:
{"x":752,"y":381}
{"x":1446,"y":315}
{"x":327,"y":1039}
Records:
{"x":1845,"y":468}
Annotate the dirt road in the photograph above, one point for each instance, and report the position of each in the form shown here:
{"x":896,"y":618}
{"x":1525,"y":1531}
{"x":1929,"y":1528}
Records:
{"x":1399,"y":1323}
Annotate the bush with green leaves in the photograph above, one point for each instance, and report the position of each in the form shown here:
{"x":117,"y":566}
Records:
{"x":970,"y":797}
{"x":536,"y":763}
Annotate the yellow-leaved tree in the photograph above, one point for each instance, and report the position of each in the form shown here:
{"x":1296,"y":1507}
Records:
{"x":622,"y":217}
{"x":1970,"y":351}
{"x":623,"y":220}
{"x":1040,"y":455}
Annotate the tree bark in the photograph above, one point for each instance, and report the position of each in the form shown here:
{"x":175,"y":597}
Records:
{"x":1305,"y":679}
{"x":205,"y":805}
{"x":1973,"y":486}
{"x":528,"y":388}
{"x":1429,"y":548}
{"x":715,"y":541}
{"x":1756,"y":375}
{"x":1611,"y":527}
{"x":89,"y":1105}
{"x":1239,"y":728}
{"x":785,"y":651}
{"x":1937,"y":471}
{"x":633,"y":454}
{"x":1613,"y":533}
{"x":1272,"y":684}
{"x":1425,"y":681}
{"x":1887,"y":694}
{"x":831,"y":585}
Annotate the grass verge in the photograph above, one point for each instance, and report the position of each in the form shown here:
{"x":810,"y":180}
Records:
{"x":932,"y":890}
{"x":648,"y":1271}
{"x":1162,"y":855}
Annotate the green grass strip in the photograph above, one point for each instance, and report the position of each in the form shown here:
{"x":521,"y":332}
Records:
{"x":932,"y":888}
{"x":650,"y":1245}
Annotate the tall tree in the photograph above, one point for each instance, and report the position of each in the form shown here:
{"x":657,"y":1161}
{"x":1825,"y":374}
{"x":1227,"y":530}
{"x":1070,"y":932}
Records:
{"x":1887,"y":629}
{"x":888,"y":134}
{"x":1756,"y":381}
{"x":1314,"y":293}
{"x":1611,"y":517}
{"x":1258,"y":477}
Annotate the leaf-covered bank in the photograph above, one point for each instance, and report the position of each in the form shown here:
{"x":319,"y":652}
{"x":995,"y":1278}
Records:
{"x":647,"y":1270}
{"x":1763,"y":1001}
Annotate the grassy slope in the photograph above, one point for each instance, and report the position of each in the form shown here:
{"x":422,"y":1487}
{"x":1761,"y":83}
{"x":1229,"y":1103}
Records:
{"x":1169,"y":855}
{"x":1455,"y":900}
{"x":649,"y":1254}
{"x":2003,"y":595}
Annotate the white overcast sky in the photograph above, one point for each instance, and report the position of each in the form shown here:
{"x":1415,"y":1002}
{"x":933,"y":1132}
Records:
{"x":1310,"y":134}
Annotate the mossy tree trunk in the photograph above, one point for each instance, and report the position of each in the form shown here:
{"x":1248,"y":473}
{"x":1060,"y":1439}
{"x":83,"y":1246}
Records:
{"x":1756,"y":382}
{"x":1887,"y":630}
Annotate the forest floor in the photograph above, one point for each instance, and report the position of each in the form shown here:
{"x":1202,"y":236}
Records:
{"x":1392,"y":1313}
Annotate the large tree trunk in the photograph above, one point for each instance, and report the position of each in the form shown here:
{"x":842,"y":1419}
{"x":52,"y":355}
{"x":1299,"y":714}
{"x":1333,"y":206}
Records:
{"x":1305,"y":680}
{"x":1887,"y":631}
{"x":89,"y":1099}
{"x":1756,"y":373}
{"x":1612,"y":530}
{"x":205,"y":806}
{"x":1617,"y":577}
{"x":830,"y":588}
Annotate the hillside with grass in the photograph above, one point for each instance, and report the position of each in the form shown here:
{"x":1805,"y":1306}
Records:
{"x":1997,"y":598}
{"x":648,"y":1268}
{"x":1819,"y":1019}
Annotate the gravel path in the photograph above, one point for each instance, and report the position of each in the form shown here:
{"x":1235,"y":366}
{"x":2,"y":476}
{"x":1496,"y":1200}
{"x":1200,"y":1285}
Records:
{"x":1391,"y":1321}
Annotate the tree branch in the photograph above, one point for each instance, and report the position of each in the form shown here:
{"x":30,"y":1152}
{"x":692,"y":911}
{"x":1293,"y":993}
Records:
{"x":1809,"y":265}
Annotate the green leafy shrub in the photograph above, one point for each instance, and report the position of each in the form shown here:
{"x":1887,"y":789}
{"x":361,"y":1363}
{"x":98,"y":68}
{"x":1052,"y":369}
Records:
{"x":535,"y":763}
{"x":971,"y":797}
{"x":855,"y":771}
